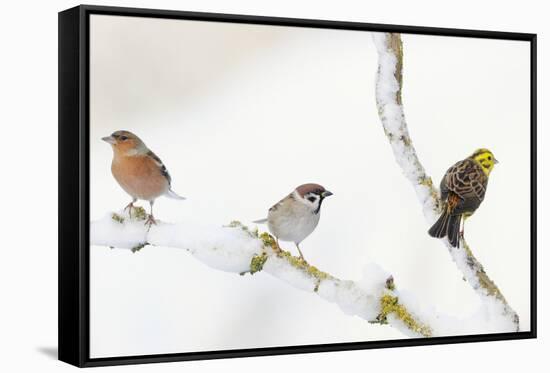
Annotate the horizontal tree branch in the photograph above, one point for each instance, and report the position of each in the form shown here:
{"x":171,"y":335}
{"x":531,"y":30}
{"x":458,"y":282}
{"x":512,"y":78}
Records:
{"x":236,"y":248}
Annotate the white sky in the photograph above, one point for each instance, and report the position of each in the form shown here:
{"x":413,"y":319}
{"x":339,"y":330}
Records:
{"x":240,"y":115}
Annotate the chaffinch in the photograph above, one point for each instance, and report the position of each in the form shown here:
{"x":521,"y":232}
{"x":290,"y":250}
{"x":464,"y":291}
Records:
{"x":139,"y":171}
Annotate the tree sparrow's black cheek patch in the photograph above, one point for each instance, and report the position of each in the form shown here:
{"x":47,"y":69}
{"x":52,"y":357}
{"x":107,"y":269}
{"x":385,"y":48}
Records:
{"x":319,"y":207}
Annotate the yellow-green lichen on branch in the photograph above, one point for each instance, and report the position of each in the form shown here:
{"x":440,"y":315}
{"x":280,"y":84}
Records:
{"x":389,"y":304}
{"x":484,"y":281}
{"x":269,"y":241}
{"x":116,"y":217}
{"x":298,"y":263}
{"x":304,"y":266}
{"x":427,"y":182}
{"x":139,"y":213}
{"x":136,"y":213}
{"x":257,"y":263}
{"x":237,"y":224}
{"x":405,"y":139}
{"x":396,"y":46}
{"x":138,"y":247}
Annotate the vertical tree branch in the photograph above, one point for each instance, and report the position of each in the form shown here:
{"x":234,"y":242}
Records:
{"x":389,"y":84}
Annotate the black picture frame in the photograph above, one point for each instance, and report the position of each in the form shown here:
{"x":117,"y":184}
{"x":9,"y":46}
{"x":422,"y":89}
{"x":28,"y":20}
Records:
{"x":74,"y":184}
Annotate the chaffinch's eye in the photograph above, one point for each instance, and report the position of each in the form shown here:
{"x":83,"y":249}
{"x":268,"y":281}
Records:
{"x":123,"y":138}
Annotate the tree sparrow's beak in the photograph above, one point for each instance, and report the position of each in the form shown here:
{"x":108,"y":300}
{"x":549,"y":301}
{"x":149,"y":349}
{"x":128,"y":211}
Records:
{"x":110,"y":139}
{"x":326,"y":193}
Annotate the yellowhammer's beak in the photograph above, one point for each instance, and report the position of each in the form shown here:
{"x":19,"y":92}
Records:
{"x":496,"y":161}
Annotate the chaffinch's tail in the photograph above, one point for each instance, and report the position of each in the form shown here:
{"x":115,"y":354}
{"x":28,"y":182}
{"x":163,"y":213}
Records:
{"x":173,"y":195}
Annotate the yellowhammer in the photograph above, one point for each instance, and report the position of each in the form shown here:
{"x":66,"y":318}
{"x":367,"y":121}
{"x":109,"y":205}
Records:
{"x":462,"y":191}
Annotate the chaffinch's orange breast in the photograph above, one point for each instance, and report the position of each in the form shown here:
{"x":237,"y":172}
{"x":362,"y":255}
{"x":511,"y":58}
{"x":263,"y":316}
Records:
{"x":139,"y":176}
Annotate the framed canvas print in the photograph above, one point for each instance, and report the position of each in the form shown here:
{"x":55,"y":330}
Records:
{"x":235,"y":186}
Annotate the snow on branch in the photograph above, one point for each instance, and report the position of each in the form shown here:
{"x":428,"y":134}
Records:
{"x":389,"y":83}
{"x":236,"y":248}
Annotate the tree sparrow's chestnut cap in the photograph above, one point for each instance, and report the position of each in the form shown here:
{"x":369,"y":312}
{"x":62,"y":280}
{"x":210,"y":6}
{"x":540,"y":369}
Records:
{"x":313,"y":188}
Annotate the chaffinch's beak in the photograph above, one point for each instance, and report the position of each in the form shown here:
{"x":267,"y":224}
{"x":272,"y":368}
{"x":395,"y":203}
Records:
{"x":110,"y":139}
{"x":326,"y":193}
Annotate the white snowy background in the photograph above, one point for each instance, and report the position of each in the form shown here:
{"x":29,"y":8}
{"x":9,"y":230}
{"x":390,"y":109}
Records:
{"x":242,"y":114}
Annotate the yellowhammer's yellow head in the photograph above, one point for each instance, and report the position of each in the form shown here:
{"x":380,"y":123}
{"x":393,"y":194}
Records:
{"x":486,"y":160}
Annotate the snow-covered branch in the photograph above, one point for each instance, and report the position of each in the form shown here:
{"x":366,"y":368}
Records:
{"x":236,"y":248}
{"x":389,"y":83}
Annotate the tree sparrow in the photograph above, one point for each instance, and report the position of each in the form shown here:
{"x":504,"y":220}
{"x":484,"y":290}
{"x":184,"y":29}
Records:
{"x":139,"y":171}
{"x":294,"y":217}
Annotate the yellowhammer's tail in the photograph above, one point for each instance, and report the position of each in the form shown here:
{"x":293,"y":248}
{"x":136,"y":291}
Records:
{"x":439,"y":229}
{"x":453,"y":230}
{"x":447,"y":225}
